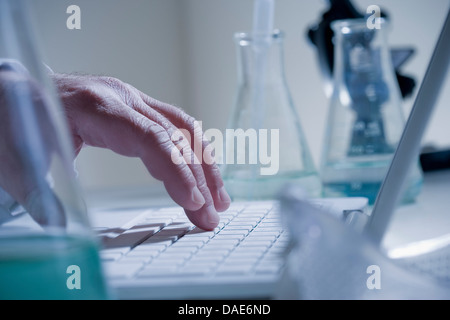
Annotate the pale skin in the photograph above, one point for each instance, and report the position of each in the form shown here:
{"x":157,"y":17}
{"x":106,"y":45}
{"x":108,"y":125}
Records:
{"x":108,"y":113}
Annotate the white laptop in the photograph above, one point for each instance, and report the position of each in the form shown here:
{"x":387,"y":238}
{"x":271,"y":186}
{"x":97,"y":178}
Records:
{"x":159,"y":254}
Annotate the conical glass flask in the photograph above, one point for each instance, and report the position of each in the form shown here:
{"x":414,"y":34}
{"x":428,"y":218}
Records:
{"x":265,"y":145}
{"x":47,"y":248}
{"x":365,"y":119}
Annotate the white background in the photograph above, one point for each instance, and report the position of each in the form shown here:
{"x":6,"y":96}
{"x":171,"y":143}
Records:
{"x":182,"y":52}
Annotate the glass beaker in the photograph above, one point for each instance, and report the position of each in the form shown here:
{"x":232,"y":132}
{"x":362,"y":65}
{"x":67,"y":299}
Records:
{"x":47,"y":248}
{"x":365,"y":119}
{"x":265,"y":145}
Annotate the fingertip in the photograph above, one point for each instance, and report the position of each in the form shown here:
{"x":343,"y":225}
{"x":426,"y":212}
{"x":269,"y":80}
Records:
{"x":192,"y":200}
{"x":212,"y":218}
{"x":206,"y":218}
{"x":197,"y":200}
{"x":223,"y":200}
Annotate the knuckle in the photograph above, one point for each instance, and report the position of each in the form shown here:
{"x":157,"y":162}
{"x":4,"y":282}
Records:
{"x":216,"y":180}
{"x":120,"y":88}
{"x":184,"y":174}
{"x":152,"y":134}
{"x":110,"y":81}
{"x":86,"y":97}
{"x":161,"y":136}
{"x":187,"y":120}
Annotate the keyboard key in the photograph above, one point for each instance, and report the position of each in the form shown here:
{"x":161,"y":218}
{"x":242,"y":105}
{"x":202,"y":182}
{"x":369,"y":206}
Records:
{"x":272,"y":220}
{"x":151,"y":243}
{"x":135,"y":259}
{"x":225,"y":237}
{"x":200,"y":233}
{"x":265,"y":269}
{"x":143,"y":253}
{"x":233,"y":269}
{"x":121,"y":270}
{"x":256,"y":237}
{"x":128,"y":239}
{"x":255,"y":215}
{"x":256,"y":244}
{"x":157,"y":271}
{"x":230,"y":232}
{"x":231,"y":259}
{"x":235,"y":230}
{"x":189,"y":239}
{"x":248,"y":227}
{"x":227,"y":215}
{"x":175,"y":254}
{"x":243,"y":223}
{"x":193,"y":271}
{"x":181,"y":228}
{"x":188,"y":243}
{"x":157,"y":223}
{"x":150,"y":230}
{"x":178,"y":232}
{"x":202,"y":263}
{"x":245,"y":253}
{"x":221,"y":242}
{"x":265,"y":232}
{"x":212,"y":253}
{"x":164,"y":262}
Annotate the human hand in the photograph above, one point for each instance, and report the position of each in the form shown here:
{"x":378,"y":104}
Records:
{"x":108,"y":113}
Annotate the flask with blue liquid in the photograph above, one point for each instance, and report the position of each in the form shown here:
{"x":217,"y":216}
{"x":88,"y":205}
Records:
{"x":366,"y":120}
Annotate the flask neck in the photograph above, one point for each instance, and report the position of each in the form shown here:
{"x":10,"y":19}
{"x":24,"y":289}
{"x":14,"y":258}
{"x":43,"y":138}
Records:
{"x":260,"y":60}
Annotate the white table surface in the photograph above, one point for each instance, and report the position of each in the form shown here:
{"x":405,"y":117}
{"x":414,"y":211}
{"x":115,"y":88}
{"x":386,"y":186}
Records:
{"x":428,"y":217}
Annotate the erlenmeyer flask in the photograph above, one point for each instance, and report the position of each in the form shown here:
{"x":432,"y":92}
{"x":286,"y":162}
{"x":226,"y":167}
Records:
{"x":365,"y":120}
{"x":47,"y":248}
{"x":265,"y":145}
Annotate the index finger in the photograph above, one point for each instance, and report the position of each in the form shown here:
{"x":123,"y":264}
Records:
{"x":211,"y":171}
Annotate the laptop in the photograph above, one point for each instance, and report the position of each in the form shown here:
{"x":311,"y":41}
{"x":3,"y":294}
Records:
{"x":159,"y":254}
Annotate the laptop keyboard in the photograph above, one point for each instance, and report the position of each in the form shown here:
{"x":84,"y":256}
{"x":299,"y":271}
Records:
{"x":162,"y":242}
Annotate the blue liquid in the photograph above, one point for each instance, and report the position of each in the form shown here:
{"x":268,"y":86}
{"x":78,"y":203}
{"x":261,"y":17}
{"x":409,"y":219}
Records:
{"x":35,"y":267}
{"x":243,"y":187}
{"x":364,"y":179}
{"x":368,"y":190}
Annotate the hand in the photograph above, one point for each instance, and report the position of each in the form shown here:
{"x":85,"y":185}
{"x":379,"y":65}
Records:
{"x":105,"y":112}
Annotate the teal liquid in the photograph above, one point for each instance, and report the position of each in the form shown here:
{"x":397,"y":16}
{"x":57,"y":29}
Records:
{"x":364,"y":179}
{"x":368,"y":190}
{"x":35,"y":267}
